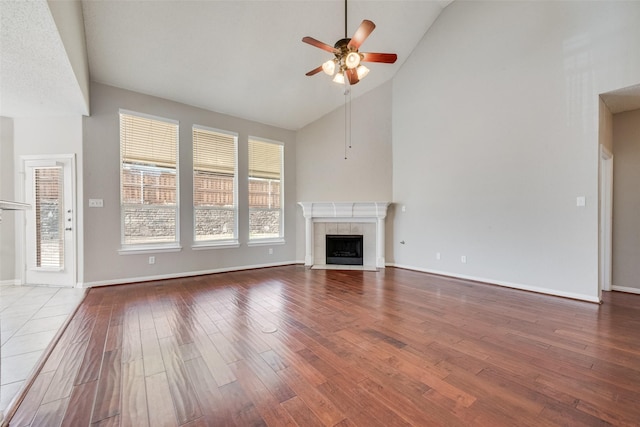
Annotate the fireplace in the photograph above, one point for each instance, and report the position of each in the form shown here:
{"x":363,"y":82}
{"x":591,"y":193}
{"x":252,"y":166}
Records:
{"x":343,"y":219}
{"x":344,"y":249}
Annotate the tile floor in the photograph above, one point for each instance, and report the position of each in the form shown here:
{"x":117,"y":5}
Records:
{"x":30,"y":317}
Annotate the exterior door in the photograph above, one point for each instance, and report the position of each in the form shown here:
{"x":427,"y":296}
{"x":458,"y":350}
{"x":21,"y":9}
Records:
{"x":50,"y":223}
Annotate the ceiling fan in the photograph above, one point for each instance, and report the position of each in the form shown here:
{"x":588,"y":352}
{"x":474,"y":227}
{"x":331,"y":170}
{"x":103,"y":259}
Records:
{"x":346,"y":66}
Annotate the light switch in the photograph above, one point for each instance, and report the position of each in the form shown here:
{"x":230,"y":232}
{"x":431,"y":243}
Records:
{"x":581,"y":201}
{"x":95,"y":203}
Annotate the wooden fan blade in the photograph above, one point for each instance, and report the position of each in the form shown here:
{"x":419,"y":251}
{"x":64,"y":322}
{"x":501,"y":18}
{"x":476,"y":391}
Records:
{"x":361,"y":34}
{"x":314,"y":71}
{"x":317,"y":43}
{"x":387,"y":58}
{"x":352,"y":75}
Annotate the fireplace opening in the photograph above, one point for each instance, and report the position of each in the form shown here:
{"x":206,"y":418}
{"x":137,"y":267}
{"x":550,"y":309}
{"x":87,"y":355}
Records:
{"x":344,"y":249}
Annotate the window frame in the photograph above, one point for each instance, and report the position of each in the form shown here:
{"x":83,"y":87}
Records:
{"x":216,"y":243}
{"x":258,"y":241}
{"x":149,"y":247}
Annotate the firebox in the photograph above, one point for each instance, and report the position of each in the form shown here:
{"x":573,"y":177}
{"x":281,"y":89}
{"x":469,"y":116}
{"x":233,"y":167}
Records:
{"x":344,"y":249}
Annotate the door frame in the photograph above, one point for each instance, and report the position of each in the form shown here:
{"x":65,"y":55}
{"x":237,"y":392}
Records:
{"x":606,"y":220}
{"x":21,"y":231}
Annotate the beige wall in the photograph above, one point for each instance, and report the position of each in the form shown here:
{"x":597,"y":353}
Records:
{"x":7,"y":235}
{"x":323,"y":174}
{"x":103,"y":264}
{"x":626,"y":201}
{"x":495,"y":135}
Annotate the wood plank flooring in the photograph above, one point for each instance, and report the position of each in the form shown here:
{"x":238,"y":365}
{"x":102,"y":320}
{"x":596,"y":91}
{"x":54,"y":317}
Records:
{"x":288,"y":346}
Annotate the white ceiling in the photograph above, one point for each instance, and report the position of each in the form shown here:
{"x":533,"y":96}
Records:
{"x":243,"y":58}
{"x":36,"y":77}
{"x":621,"y":100}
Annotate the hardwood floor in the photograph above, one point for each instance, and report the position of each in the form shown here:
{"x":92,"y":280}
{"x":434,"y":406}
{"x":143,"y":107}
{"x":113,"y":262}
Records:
{"x":288,"y":346}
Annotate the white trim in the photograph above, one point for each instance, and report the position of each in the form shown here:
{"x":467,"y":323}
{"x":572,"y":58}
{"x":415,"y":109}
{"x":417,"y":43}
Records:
{"x":281,"y":181}
{"x":605,"y":214}
{"x":147,"y":116}
{"x":180,"y":275}
{"x":10,"y":282}
{"x":227,"y":244}
{"x":216,"y":130}
{"x":268,"y":141}
{"x":68,"y":163}
{"x":235,"y":208}
{"x":345,"y":212}
{"x":149,"y":249}
{"x":266,"y":242}
{"x":626,"y":289}
{"x":177,"y":173}
{"x":341,"y":210}
{"x":519,"y":286}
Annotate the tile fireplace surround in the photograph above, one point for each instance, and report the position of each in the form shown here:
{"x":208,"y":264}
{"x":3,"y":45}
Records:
{"x":366,"y":218}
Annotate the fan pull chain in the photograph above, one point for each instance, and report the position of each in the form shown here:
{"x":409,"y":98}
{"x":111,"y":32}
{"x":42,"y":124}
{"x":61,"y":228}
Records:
{"x":346,"y":123}
{"x":350,"y":124}
{"x":347,"y":114}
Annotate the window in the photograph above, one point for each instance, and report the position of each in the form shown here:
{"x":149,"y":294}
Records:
{"x":215,"y":209}
{"x":148,"y":179}
{"x":265,"y":189}
{"x":49,"y":216}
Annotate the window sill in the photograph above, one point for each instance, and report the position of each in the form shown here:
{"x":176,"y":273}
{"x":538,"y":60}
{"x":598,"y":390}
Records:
{"x":149,"y":249}
{"x":266,"y":242}
{"x":203,"y":246}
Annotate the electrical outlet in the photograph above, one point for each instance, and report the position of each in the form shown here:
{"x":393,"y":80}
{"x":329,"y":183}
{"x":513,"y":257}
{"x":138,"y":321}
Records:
{"x":438,"y":255}
{"x":152,"y":260}
{"x":270,"y":251}
{"x":463,"y":259}
{"x":96,"y":203}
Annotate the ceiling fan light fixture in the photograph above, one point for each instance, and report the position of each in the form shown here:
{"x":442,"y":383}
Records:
{"x":329,"y":67}
{"x":339,"y":78}
{"x":352,"y":60}
{"x":362,"y":71}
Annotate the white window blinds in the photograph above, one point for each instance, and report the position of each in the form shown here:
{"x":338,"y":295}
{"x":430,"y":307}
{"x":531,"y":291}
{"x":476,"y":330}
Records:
{"x":149,"y":179}
{"x":148,"y":141}
{"x":214,"y":155}
{"x":265,"y":189}
{"x":265,"y":159}
{"x":214,"y":184}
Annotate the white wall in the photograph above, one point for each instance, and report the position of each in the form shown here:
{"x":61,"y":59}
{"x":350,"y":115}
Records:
{"x":7,"y":235}
{"x":103,"y":264}
{"x":626,"y":201}
{"x":323,"y":174}
{"x":495,"y":134}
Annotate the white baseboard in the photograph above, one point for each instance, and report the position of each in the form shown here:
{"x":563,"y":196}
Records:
{"x":179,"y":275}
{"x":519,"y":286}
{"x":625,"y":289}
{"x":10,"y":282}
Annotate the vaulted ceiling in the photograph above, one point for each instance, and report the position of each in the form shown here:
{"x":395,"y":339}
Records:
{"x":243,"y":58}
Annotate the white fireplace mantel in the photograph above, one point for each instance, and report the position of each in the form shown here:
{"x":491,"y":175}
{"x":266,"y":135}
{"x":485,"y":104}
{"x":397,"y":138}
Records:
{"x":345,"y":212}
